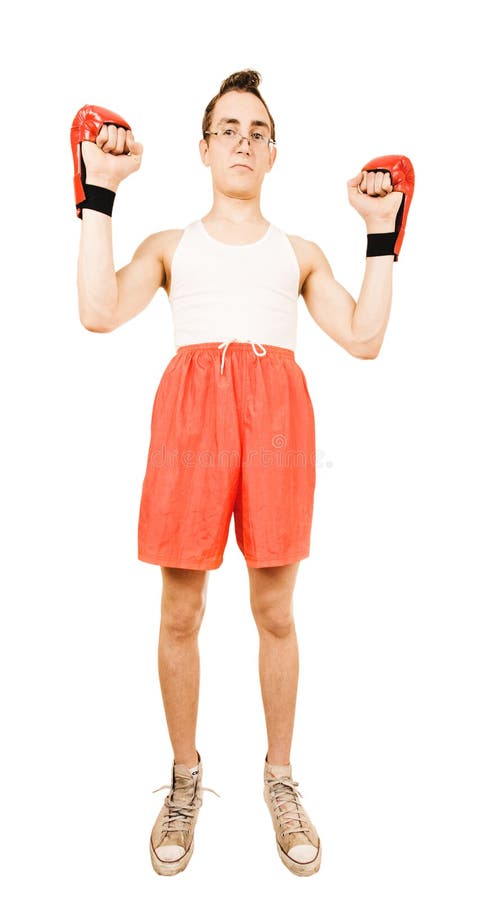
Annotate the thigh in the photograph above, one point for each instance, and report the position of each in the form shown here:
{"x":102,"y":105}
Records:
{"x":193,"y":467}
{"x":180,"y":582}
{"x":274,"y":503}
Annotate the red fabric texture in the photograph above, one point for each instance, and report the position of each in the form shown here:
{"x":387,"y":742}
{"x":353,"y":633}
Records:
{"x":236,"y":441}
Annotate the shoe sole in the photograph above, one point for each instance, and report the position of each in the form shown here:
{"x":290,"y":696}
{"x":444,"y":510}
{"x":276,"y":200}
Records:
{"x":163,"y":867}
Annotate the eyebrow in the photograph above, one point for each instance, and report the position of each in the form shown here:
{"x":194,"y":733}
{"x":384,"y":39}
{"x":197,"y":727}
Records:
{"x":225,"y":121}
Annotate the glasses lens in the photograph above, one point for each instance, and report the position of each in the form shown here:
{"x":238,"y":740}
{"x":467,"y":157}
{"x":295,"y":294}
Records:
{"x":231,"y":136}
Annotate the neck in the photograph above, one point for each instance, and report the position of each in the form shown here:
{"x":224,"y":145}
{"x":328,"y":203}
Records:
{"x":235,"y":210}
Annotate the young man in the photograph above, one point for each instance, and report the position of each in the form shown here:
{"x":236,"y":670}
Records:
{"x":232,"y":425}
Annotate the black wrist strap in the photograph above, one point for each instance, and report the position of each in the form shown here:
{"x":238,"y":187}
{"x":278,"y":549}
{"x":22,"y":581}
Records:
{"x":382,"y":244}
{"x":99,"y":198}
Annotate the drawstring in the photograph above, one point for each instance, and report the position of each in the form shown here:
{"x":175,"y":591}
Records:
{"x":225,"y":345}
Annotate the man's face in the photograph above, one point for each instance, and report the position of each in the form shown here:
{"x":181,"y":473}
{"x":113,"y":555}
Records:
{"x":238,"y":169}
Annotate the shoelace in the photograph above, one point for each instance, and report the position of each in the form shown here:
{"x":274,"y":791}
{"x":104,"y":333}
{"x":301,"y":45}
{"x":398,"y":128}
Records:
{"x":283,"y":790}
{"x":225,"y":345}
{"x":179,"y":815}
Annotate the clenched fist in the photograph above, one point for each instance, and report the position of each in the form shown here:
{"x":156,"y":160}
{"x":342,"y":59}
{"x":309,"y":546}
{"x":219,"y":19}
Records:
{"x":113,"y":156}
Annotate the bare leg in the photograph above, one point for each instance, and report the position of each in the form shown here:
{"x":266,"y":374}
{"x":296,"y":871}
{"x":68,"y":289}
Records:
{"x":183,"y":603}
{"x":271,"y":591}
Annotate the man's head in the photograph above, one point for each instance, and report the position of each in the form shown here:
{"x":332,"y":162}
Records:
{"x":238,"y":166}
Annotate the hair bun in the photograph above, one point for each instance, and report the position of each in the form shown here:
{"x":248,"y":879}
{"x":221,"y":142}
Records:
{"x":245,"y":78}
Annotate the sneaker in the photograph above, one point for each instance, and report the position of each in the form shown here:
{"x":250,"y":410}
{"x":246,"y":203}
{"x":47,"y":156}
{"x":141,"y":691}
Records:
{"x":172,"y":839}
{"x":297,"y":841}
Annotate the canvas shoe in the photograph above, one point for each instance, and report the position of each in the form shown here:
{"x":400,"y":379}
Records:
{"x":172,"y":838}
{"x":297,"y":841}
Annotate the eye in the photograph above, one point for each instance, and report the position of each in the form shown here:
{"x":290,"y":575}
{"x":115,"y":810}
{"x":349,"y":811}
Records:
{"x":258,"y":136}
{"x":228,"y":131}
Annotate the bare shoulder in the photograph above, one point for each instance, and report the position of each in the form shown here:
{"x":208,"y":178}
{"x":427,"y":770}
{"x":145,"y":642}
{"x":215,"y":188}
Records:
{"x":310,"y":257}
{"x":161,"y":242}
{"x":158,"y":249}
{"x":171,"y":237}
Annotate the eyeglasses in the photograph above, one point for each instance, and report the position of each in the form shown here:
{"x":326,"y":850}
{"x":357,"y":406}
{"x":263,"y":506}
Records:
{"x":230,"y":137}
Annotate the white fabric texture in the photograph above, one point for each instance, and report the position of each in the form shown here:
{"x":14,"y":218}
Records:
{"x":234,"y":292}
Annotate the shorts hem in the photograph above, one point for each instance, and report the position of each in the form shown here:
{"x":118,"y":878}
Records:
{"x":283,"y":561}
{"x":181,"y":564}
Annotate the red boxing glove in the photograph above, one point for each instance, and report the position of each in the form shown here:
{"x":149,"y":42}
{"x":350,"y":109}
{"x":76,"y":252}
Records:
{"x":403,"y":179}
{"x":85,"y":127}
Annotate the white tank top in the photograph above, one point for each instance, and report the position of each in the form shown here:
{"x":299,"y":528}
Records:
{"x":243,"y":292}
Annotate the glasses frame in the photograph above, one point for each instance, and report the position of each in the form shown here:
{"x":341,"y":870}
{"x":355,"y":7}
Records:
{"x":243,"y":137}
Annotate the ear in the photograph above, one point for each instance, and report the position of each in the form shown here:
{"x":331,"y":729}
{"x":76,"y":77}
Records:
{"x":203,"y":149}
{"x":272,"y":155}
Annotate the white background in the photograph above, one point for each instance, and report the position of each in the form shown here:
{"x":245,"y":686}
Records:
{"x":387,"y":745}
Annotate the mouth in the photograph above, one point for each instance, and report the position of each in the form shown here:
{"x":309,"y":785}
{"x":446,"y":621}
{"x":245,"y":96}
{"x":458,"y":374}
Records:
{"x":241,"y":166}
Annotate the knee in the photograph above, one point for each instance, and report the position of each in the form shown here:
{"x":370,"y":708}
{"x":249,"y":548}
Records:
{"x":183,"y":604}
{"x":273,"y":617}
{"x":182,"y":617}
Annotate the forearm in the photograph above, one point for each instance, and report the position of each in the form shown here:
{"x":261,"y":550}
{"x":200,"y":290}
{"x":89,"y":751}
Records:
{"x":371,"y":314}
{"x":96,"y":277}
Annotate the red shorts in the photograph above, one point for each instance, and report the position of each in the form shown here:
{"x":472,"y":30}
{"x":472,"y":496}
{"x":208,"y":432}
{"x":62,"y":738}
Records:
{"x":232,"y":430}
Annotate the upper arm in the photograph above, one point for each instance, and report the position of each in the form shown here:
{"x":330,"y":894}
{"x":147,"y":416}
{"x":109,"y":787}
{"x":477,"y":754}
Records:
{"x":327,"y":301}
{"x":138,"y":281}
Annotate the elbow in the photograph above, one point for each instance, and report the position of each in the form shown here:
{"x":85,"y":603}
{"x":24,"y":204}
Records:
{"x":372,"y":354}
{"x":96,"y":329}
{"x":99,"y":324}
{"x":365,"y":351}
{"x":98,"y":316}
